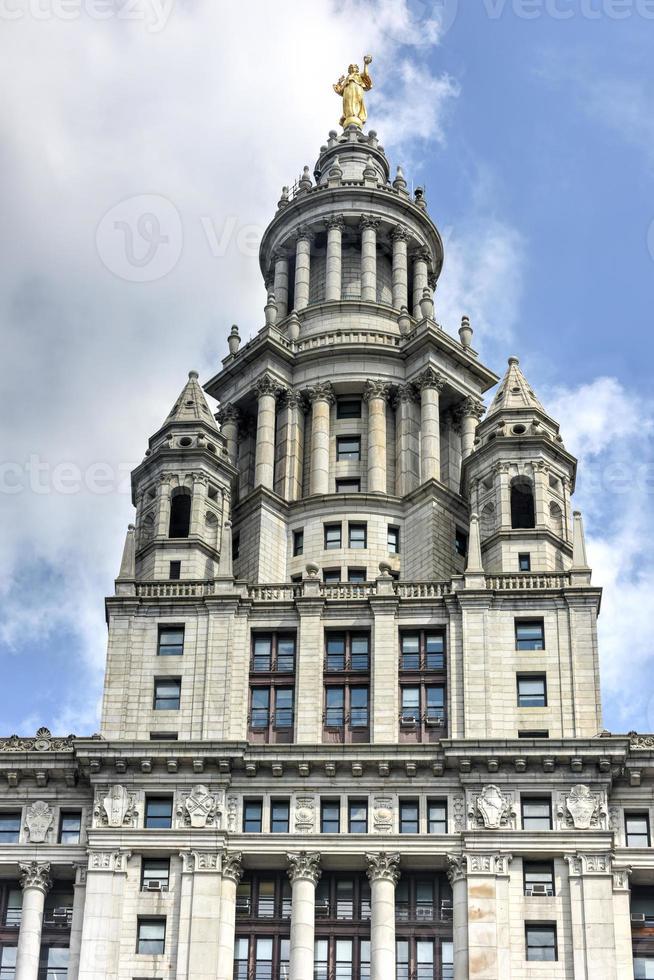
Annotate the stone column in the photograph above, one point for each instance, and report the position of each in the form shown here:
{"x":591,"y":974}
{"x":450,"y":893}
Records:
{"x":198,"y":502}
{"x":471,"y":412}
{"x":420,"y":279}
{"x":383,"y":872}
{"x":302,"y":268}
{"x":79,"y":900}
{"x":322,"y":398}
{"x":333,"y":283}
{"x":292,"y":439}
{"x":408,"y":446}
{"x":376,"y":395}
{"x":400,"y":273}
{"x":163,"y":515}
{"x":456,"y":872}
{"x":103,"y":915}
{"x":35,"y":882}
{"x":304,"y":873}
{"x":541,"y":482}
{"x":430,"y":385}
{"x":280,"y":285}
{"x":232,"y":872}
{"x":228,"y":419}
{"x":502,"y":477}
{"x":264,"y":465}
{"x":369,"y":226}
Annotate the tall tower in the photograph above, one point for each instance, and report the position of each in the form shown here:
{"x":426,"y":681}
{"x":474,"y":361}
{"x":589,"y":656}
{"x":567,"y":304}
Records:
{"x":351,"y":721}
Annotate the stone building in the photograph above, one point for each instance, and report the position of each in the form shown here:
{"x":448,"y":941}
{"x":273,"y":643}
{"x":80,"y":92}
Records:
{"x":351,"y":722}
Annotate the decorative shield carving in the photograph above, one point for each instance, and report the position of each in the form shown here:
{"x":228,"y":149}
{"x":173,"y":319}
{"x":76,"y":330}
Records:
{"x":583,"y":809}
{"x":382,"y":814}
{"x":200,"y":806}
{"x":491,"y":809}
{"x":39,"y":819}
{"x":305,"y":813}
{"x":118,"y":806}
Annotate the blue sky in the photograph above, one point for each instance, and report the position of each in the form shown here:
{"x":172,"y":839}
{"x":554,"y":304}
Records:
{"x":529,"y":122}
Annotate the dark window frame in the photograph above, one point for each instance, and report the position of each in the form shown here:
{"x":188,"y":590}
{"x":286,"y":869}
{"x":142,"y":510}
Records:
{"x":6,"y":836}
{"x":431,"y":821}
{"x":524,"y":561}
{"x":361,"y":802}
{"x":168,"y":629}
{"x":331,"y":528}
{"x":526,"y":643}
{"x":356,"y":527}
{"x":252,"y":801}
{"x":69,"y":815}
{"x":529,"y":676}
{"x":281,"y":801}
{"x":536,"y":870}
{"x":298,"y":542}
{"x":160,"y":701}
{"x":348,"y":484}
{"x":154,"y":821}
{"x":151,"y":920}
{"x":527,"y":822}
{"x":348,"y":455}
{"x":536,"y":928}
{"x":407,"y":806}
{"x":163,"y":875}
{"x":393,"y":539}
{"x":341,"y":402}
{"x":333,"y":804}
{"x":637,"y":815}
{"x":175,"y":570}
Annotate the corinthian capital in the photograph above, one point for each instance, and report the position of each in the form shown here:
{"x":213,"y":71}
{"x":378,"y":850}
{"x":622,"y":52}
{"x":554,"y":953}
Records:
{"x":457,"y":867}
{"x":369,"y":221}
{"x":383,"y":867}
{"x":304,"y":864}
{"x":400,"y":234}
{"x":323,"y":391}
{"x":231,"y":866}
{"x":336,"y":221}
{"x":303,"y":234}
{"x":472,"y":408}
{"x":429,"y":379}
{"x":376,"y":389}
{"x":266,"y":385}
{"x":405,"y":393}
{"x":228,"y":413}
{"x":35,"y":875}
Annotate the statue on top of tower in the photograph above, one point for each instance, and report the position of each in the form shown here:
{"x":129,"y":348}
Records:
{"x":351,"y":87}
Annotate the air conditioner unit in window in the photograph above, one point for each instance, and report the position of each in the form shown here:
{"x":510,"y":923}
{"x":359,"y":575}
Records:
{"x":409,"y":720}
{"x":425,"y":912}
{"x":539,"y":890}
{"x":61,"y":915}
{"x":243,"y":906}
{"x":322,"y":908}
{"x":154,"y":885}
{"x":638,"y":917}
{"x":434,"y":722}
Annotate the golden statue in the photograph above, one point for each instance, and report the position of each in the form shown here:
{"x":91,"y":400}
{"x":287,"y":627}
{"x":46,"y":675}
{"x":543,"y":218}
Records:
{"x":351,"y":87}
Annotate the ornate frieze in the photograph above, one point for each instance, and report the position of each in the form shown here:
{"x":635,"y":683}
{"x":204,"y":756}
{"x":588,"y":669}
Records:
{"x":43,"y":741}
{"x":304,"y":864}
{"x":305,"y":814}
{"x":383,"y":866}
{"x":581,"y":863}
{"x":38,"y":820}
{"x":640,"y":741}
{"x":115,"y":861}
{"x":582,"y":809}
{"x":35,"y":875}
{"x":492,"y":809}
{"x":198,"y":861}
{"x":116,"y":809}
{"x":382,"y":814}
{"x":198,"y":808}
{"x":494,"y":863}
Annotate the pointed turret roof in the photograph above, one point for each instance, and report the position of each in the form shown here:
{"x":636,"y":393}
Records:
{"x":514,"y":392}
{"x":191,"y":406}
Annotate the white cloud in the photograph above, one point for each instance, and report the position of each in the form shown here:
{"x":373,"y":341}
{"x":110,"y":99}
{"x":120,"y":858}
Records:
{"x":213,"y":112}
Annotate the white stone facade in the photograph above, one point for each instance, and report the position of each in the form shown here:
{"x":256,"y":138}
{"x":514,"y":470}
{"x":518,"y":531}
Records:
{"x":351,"y":724}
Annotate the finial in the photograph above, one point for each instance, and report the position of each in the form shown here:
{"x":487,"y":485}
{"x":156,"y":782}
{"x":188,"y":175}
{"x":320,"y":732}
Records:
{"x":465,"y":332}
{"x":352,"y":87}
{"x":283,"y":201}
{"x":399,"y":183}
{"x":369,"y":172}
{"x":427,"y":304}
{"x":270,"y":309}
{"x":293,"y":327}
{"x":404,"y":321}
{"x":234,"y":340}
{"x":419,"y":198}
{"x":193,"y":375}
{"x":514,"y":360}
{"x":305,"y":180}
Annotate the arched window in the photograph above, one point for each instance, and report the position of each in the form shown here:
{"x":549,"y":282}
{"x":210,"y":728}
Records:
{"x":556,"y":518}
{"x":180,"y":513}
{"x":522,"y":503}
{"x":487,"y":519}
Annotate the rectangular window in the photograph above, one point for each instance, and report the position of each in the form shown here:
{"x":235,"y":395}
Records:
{"x":279,"y":816}
{"x":357,"y":816}
{"x":241,"y":955}
{"x":284,"y":707}
{"x":333,"y":536}
{"x":359,"y":707}
{"x":637,"y":829}
{"x":8,"y":962}
{"x":409,"y":816}
{"x":273,"y":653}
{"x":252,"y":816}
{"x":348,"y":408}
{"x":236,"y":546}
{"x":532,"y":691}
{"x":529,"y":634}
{"x":260,"y":708}
{"x":163,"y":736}
{"x":536,"y":812}
{"x":643,"y":967}
{"x":298,"y":542}
{"x":70,"y":827}
{"x":330,"y":816}
{"x":538,"y":877}
{"x":534,"y":733}
{"x":524,"y":563}
{"x":331,"y":576}
{"x":435,"y":709}
{"x":155,"y":874}
{"x":348,"y":448}
{"x":171,"y":641}
{"x":167,"y":691}
{"x":357,"y":535}
{"x":424,"y":650}
{"x":9,"y":828}
{"x":540,"y":941}
{"x":335,"y":707}
{"x":151,"y":936}
{"x":175,"y":571}
{"x":436,"y":817}
{"x":348,"y":486}
{"x":158,"y":812}
{"x":14,"y":908}
{"x":461,"y":542}
{"x":410,"y":706}
{"x":347,"y":651}
{"x":393,"y":539}
{"x":356,"y":576}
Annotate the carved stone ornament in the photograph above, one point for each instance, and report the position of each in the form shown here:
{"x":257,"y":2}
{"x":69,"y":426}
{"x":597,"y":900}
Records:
{"x":582,"y":809}
{"x":322,"y":391}
{"x":458,"y":813}
{"x":43,"y":741}
{"x":429,"y":379}
{"x":382,"y":814}
{"x":231,"y":866}
{"x":376,"y":389}
{"x":489,"y":864}
{"x":492,"y":809}
{"x":38,"y":820}
{"x":199,"y":808}
{"x":194,"y":861}
{"x":580,"y":864}
{"x":115,"y":861}
{"x":35,"y":875}
{"x":383,"y":866}
{"x":232,"y":813}
{"x":304,"y":864}
{"x":621,"y":878}
{"x":266,"y":385}
{"x":641,"y":741}
{"x":457,"y":867}
{"x":305,"y":814}
{"x":116,"y":809}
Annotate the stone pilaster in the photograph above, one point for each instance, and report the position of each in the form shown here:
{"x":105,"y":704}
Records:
{"x":376,"y":395}
{"x":232,"y":872}
{"x":430,"y":385}
{"x":471,"y":413}
{"x":35,"y":882}
{"x":369,"y":226}
{"x":383,"y":873}
{"x":456,"y":872}
{"x":304,"y":873}
{"x":228,"y":419}
{"x":163,"y":512}
{"x":592,"y":915}
{"x":420,"y":279}
{"x":103,"y":914}
{"x":322,"y":398}
{"x":541,"y":483}
{"x":333,"y":282}
{"x":407,"y":441}
{"x":199,"y":502}
{"x":302,"y":268}
{"x":200,"y":908}
{"x":77,"y":924}
{"x":400,"y":268}
{"x":292,"y":438}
